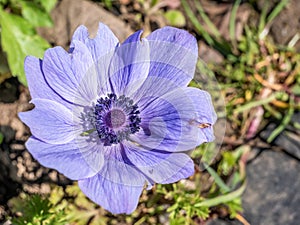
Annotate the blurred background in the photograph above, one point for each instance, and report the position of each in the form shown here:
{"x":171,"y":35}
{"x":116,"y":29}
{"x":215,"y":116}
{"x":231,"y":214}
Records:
{"x":249,"y":176}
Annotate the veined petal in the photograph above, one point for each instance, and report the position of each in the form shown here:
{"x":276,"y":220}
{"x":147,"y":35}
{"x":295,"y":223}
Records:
{"x":205,"y":112}
{"x":104,"y":42}
{"x":162,"y":167}
{"x":50,"y":122}
{"x":58,"y":72}
{"x":114,"y":197}
{"x":130,"y":65}
{"x":66,"y":73}
{"x":66,"y":158}
{"x":118,"y":169}
{"x":173,"y":48}
{"x":80,"y":34}
{"x":175,"y":35}
{"x":154,"y":87}
{"x":135,"y":37}
{"x":84,"y":66}
{"x":118,"y":185}
{"x":185,"y":172}
{"x":102,"y":49}
{"x":173,"y":57}
{"x":37,"y":84}
{"x":172,"y":122}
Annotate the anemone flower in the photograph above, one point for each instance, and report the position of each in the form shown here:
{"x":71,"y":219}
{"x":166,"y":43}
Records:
{"x":118,"y":117}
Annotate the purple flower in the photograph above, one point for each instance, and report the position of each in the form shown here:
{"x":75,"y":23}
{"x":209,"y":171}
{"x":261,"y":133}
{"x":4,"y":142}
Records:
{"x":118,"y":117}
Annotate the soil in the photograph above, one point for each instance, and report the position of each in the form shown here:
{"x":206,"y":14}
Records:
{"x":287,"y":24}
{"x":19,"y":171}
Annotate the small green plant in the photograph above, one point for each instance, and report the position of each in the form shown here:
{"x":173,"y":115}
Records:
{"x":260,"y":79}
{"x":36,"y":210}
{"x":183,"y":210}
{"x":18,"y":21}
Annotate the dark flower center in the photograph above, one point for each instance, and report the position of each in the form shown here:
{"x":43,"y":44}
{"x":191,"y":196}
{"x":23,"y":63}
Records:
{"x":116,"y":118}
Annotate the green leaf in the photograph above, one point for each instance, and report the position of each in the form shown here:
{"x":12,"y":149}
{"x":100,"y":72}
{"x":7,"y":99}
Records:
{"x":223,"y":198}
{"x":285,"y":121}
{"x":296,"y":89}
{"x":35,"y":15}
{"x":19,"y":39}
{"x":279,"y":7}
{"x":3,"y":2}
{"x":1,"y":138}
{"x":255,"y":103}
{"x":234,"y":207}
{"x":224,"y":188}
{"x":48,"y":4}
{"x":175,"y":18}
{"x":178,"y":221}
{"x":232,"y":20}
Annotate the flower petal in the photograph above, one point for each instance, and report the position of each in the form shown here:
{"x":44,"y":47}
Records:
{"x":80,"y":34}
{"x":82,"y":64}
{"x":205,"y":112}
{"x":135,"y":37}
{"x":102,"y":49}
{"x":171,"y":122}
{"x":114,"y":197}
{"x":37,"y":84}
{"x":118,"y":184}
{"x":66,"y":73}
{"x":153,"y":88}
{"x":181,"y":50}
{"x":161,"y":167}
{"x":50,"y":122}
{"x":175,"y":35}
{"x":173,"y":57}
{"x":104,"y":42}
{"x":118,"y":169}
{"x":66,"y":158}
{"x":130,"y":65}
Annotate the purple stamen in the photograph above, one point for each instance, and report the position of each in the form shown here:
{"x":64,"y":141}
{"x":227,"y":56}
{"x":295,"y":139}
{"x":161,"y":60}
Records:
{"x":116,"y":118}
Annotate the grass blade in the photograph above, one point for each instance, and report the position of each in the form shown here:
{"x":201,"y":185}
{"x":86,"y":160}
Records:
{"x":222,"y":46}
{"x":279,"y":7}
{"x":206,"y":19}
{"x":199,"y":28}
{"x":265,"y":22}
{"x":232,"y":19}
{"x":285,"y":121}
{"x":223,"y":198}
{"x":263,"y":18}
{"x":224,"y":188}
{"x":255,"y":103}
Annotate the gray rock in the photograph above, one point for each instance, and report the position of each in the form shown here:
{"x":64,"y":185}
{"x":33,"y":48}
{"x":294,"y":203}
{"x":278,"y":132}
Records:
{"x":286,"y":25}
{"x":223,"y":222}
{"x":288,"y":140}
{"x":69,"y":14}
{"x":272,"y":195}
